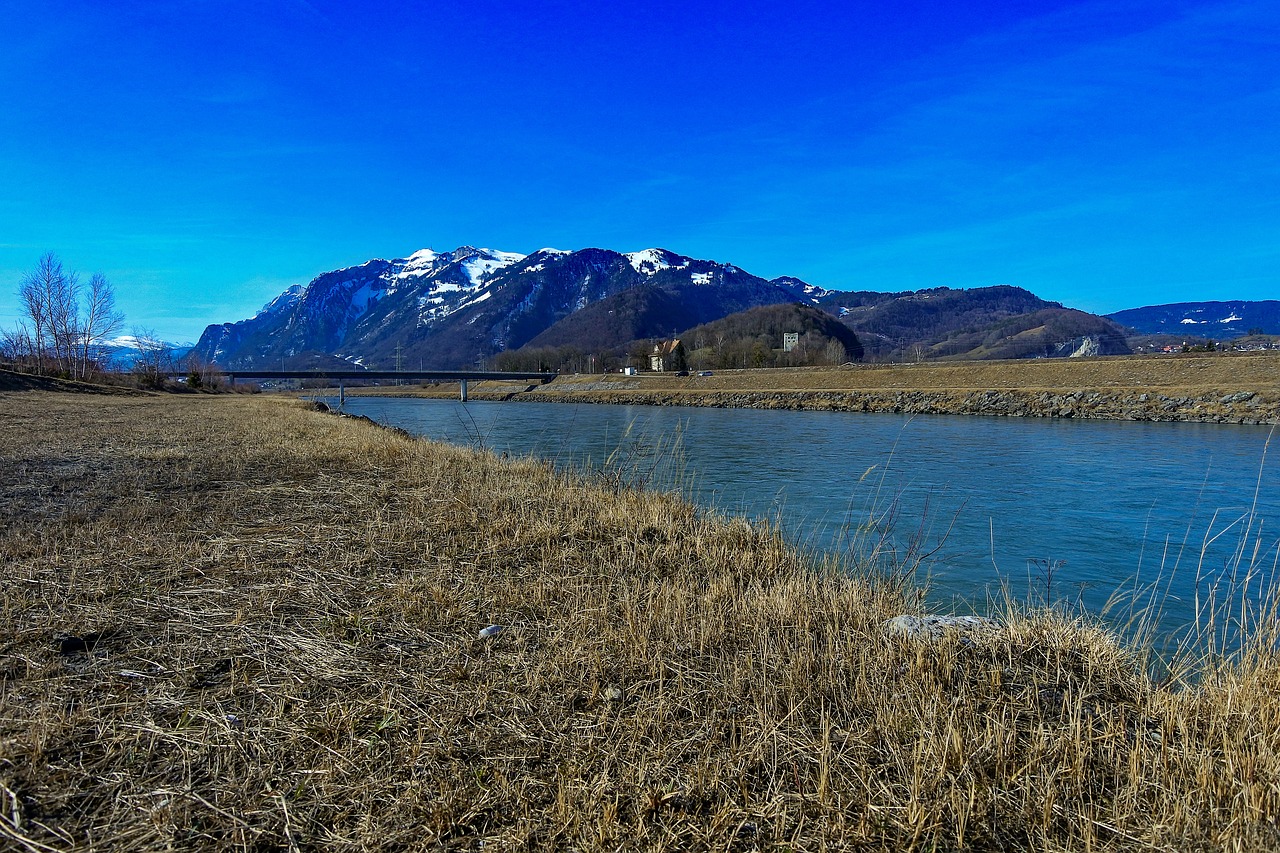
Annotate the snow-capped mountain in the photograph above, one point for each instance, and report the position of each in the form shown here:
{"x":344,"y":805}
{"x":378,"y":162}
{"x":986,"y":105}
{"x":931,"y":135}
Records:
{"x":123,"y":351}
{"x":454,"y":309}
{"x":448,"y":309}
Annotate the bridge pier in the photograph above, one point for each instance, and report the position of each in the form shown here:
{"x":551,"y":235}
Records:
{"x":342,"y":394}
{"x":464,"y":390}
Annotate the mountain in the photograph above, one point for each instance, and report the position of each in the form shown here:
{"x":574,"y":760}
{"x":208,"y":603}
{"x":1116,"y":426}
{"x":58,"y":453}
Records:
{"x":1218,"y":320}
{"x":679,"y":296}
{"x":935,"y":322}
{"x":451,"y":309}
{"x":457,"y":309}
{"x":124,"y":351}
{"x":349,"y":313}
{"x":1048,"y":333}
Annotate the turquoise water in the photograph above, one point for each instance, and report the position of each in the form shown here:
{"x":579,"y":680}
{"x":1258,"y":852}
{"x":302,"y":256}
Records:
{"x":1077,"y":512}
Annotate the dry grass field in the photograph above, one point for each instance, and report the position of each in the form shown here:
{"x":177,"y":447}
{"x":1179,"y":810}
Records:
{"x":1182,"y":375}
{"x":235,"y":623}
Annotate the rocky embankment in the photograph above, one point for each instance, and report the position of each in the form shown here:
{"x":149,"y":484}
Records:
{"x":1242,"y":407}
{"x":1237,"y":388}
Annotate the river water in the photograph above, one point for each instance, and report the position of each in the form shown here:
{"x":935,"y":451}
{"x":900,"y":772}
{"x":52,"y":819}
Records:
{"x":1082,"y":513}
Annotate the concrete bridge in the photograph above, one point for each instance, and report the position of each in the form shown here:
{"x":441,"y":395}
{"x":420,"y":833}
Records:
{"x":462,"y":377}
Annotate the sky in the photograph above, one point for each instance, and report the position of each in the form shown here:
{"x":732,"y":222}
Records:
{"x":206,"y":155}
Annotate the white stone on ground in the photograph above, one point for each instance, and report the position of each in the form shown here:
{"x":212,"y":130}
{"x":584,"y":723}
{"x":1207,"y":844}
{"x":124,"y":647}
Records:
{"x":934,"y":627}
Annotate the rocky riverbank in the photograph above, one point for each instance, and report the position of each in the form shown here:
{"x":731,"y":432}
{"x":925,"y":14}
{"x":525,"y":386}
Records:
{"x":1241,"y":407}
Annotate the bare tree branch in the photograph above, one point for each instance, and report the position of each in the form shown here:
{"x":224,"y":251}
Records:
{"x":36,"y":293}
{"x":100,"y":319}
{"x":63,"y":333}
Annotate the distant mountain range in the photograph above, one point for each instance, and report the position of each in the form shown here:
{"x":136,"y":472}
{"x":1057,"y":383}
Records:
{"x":459,"y":308}
{"x":124,"y":351}
{"x":1218,"y":320}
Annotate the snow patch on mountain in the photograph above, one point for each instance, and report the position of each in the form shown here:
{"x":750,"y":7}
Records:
{"x":475,"y":300}
{"x":364,"y":298}
{"x":134,"y":342}
{"x":801,"y":288}
{"x":123,"y":351}
{"x":477,"y":264}
{"x":420,"y":263}
{"x":422,"y":258}
{"x":544,"y":256}
{"x":485,"y":262}
{"x":442,"y":283}
{"x":651,"y":261}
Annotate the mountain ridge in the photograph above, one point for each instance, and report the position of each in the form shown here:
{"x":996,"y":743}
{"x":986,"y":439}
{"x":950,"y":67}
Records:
{"x":454,"y":308}
{"x":1210,"y":319}
{"x":459,"y":308}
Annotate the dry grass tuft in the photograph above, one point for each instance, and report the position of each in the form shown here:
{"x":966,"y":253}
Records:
{"x":234,"y":623}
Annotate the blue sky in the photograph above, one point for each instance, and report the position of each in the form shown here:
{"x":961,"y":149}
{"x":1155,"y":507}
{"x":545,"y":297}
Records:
{"x":206,"y":155}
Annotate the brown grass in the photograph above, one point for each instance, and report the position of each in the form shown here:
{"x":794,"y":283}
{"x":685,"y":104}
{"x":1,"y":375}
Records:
{"x":233,"y":623}
{"x":1175,"y":375}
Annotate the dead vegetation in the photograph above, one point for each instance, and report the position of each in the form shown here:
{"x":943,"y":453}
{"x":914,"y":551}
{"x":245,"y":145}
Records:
{"x":1180,"y":375}
{"x":233,"y":623}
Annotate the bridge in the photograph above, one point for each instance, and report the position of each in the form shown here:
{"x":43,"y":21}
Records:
{"x":462,"y":377}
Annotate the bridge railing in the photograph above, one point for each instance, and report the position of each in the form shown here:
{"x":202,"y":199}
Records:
{"x":463,"y":377}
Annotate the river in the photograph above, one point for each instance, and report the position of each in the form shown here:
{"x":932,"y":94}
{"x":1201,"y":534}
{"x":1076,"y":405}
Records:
{"x":1083,"y":513}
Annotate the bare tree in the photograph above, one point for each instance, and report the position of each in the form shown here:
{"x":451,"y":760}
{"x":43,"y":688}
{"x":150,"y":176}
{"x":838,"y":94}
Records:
{"x":50,"y":297}
{"x":64,"y":328}
{"x":99,"y":320}
{"x":154,"y":358}
{"x":15,"y":344}
{"x":64,"y":320}
{"x":35,"y":293}
{"x":201,"y":373}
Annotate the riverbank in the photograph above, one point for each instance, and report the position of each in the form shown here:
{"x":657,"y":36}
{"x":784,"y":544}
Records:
{"x":238,"y":622}
{"x":1220,"y":388}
